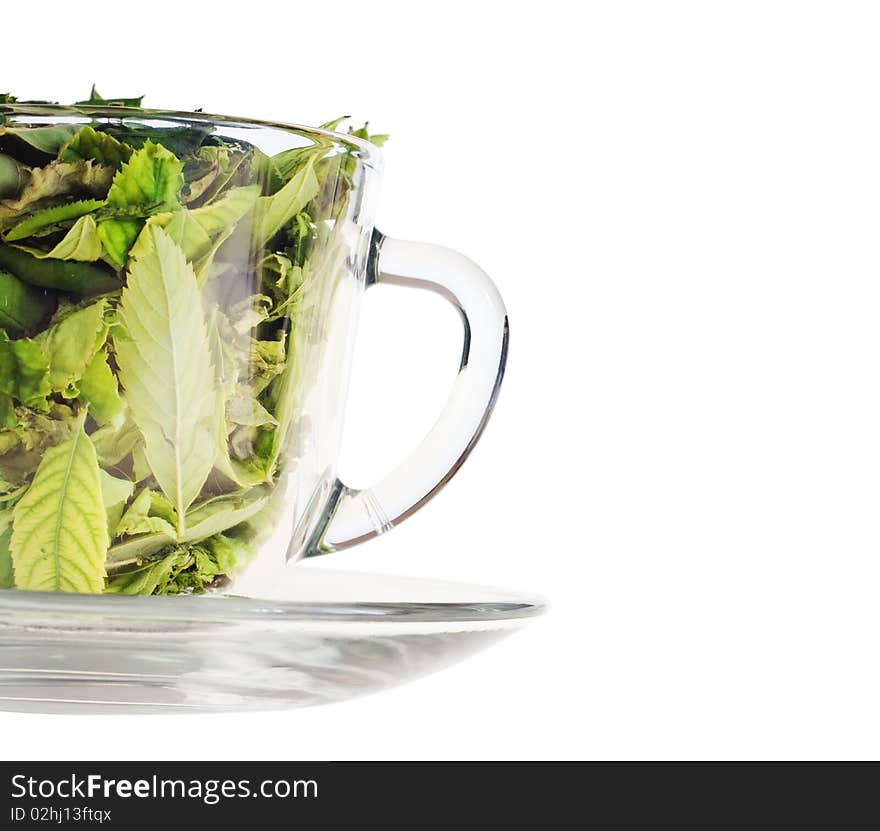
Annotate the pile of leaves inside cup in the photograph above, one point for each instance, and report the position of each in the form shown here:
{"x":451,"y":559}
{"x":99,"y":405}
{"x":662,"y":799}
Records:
{"x":155,"y":285}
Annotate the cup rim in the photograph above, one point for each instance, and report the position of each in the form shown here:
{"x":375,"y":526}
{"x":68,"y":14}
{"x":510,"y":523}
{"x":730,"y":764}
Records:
{"x":369,"y":153}
{"x":457,"y":603}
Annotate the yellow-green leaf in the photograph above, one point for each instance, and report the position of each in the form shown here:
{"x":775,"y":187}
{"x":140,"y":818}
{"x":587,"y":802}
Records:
{"x":99,"y":389}
{"x":80,"y":243}
{"x":116,"y":493}
{"x":44,"y":220}
{"x":88,"y":143}
{"x":152,"y":180}
{"x":138,"y":518}
{"x":118,"y":235}
{"x":153,"y":175}
{"x":165,"y":369}
{"x":59,"y":530}
{"x":274,"y":212}
{"x":197,"y":230}
{"x":72,"y":343}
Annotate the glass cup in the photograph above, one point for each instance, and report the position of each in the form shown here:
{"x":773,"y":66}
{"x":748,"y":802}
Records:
{"x":178,"y":297}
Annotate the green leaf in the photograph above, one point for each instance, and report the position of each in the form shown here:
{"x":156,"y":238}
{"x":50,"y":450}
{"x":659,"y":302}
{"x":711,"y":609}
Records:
{"x":196,"y":230}
{"x":116,"y":493}
{"x":182,"y":140}
{"x":284,"y":395}
{"x":151,"y":526}
{"x":59,"y":537}
{"x":24,"y":377}
{"x":132,"y":550}
{"x":7,"y":572}
{"x":224,"y":512}
{"x":334,"y":125}
{"x":220,"y":216}
{"x":162,"y":508}
{"x":364,"y":133}
{"x":227,"y":348}
{"x":84,"y":279}
{"x":226,"y":352}
{"x":334,"y":176}
{"x":165,"y":369}
{"x":88,"y":143}
{"x":188,"y":568}
{"x":287,"y":162}
{"x":153,"y":578}
{"x":267,"y":359}
{"x":152,"y":180}
{"x":210,"y":170}
{"x":302,"y":234}
{"x":99,"y":389}
{"x":139,"y":518}
{"x":30,"y":373}
{"x":201,"y":569}
{"x":274,"y":212}
{"x":148,"y":526}
{"x":13,"y":176}
{"x":95,"y":99}
{"x":238,"y":409}
{"x":72,"y":343}
{"x":117,"y":236}
{"x":139,"y":464}
{"x":51,"y":217}
{"x":22,"y":307}
{"x":205,"y":268}
{"x":182,"y":227}
{"x":49,"y":139}
{"x":152,"y":176}
{"x":8,"y":500}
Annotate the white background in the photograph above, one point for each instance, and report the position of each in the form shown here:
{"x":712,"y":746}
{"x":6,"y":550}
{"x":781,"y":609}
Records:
{"x":680,"y":203}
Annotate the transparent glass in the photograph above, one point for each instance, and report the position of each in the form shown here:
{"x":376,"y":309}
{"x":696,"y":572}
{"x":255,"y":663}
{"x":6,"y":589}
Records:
{"x":221,"y":262}
{"x":320,"y":636}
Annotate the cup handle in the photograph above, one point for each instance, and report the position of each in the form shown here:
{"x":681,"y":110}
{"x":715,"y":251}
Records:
{"x":358,"y":515}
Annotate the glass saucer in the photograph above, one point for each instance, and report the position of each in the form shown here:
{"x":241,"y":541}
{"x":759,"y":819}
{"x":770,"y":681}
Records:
{"x":322,"y":636}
